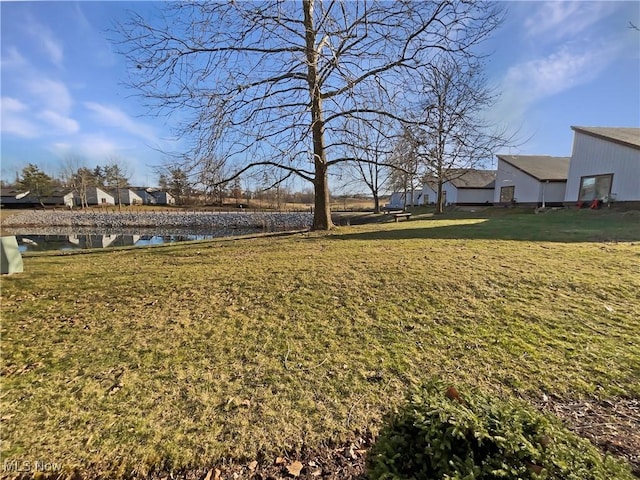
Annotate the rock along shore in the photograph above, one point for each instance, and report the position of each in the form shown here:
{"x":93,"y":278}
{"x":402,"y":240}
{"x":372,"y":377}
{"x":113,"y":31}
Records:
{"x":270,"y":221}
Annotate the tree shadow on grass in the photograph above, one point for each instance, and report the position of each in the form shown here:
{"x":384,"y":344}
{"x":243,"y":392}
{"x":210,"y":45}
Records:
{"x":564,"y":228}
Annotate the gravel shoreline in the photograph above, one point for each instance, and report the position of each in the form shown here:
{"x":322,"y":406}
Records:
{"x":200,"y":221}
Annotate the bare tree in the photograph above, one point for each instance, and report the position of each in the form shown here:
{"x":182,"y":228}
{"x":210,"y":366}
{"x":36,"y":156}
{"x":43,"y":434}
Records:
{"x":372,"y":151}
{"x":78,"y":177}
{"x":269,"y":83}
{"x":406,"y":165}
{"x":452,"y":135}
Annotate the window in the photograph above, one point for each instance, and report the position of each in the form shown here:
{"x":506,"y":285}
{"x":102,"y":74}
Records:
{"x":595,"y":187}
{"x":506,"y":194}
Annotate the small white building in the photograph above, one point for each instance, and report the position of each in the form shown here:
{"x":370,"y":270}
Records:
{"x":97,"y":196}
{"x":145,"y":196}
{"x":463,"y":187}
{"x":126,"y":196}
{"x":605,"y":165}
{"x":163,"y":198}
{"x":400,"y":200}
{"x":531,"y":179}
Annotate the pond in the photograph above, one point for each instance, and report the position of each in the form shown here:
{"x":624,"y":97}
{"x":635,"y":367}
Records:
{"x":57,"y":239}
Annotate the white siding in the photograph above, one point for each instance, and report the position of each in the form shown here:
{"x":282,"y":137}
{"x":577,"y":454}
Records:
{"x":134,"y":198}
{"x":430,"y":196}
{"x":129,"y":197}
{"x":450,"y":192}
{"x":475,"y":195}
{"x":527,"y":188}
{"x":95,"y":196}
{"x":554,"y":192}
{"x":595,"y":156}
{"x":69,"y":200}
{"x":397,"y":199}
{"x":455,"y":195}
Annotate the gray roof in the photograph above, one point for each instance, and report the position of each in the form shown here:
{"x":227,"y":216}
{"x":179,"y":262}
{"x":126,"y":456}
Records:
{"x":541,"y":167}
{"x":472,"y":178}
{"x":622,"y":135}
{"x":467,"y":178}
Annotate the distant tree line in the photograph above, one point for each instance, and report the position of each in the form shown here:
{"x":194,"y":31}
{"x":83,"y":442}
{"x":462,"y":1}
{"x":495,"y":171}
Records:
{"x":113,"y":176}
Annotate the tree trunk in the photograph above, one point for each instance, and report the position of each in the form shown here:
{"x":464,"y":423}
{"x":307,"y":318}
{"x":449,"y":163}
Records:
{"x":322,"y":211}
{"x":440,"y":200}
{"x":376,"y":203}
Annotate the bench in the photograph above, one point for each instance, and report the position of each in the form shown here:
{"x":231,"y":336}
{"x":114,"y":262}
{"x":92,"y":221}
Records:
{"x":400,"y":215}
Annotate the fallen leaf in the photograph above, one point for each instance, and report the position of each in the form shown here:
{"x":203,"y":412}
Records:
{"x":209,"y":474}
{"x":279,"y":461}
{"x":352,"y":452}
{"x":452,"y":394}
{"x":316,"y":473}
{"x":534,"y":468}
{"x":295,"y":468}
{"x":253,"y":465}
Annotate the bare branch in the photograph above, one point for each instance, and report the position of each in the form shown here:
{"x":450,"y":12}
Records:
{"x":286,"y":85}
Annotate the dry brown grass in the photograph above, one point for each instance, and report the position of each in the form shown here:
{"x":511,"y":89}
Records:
{"x":125,"y":361}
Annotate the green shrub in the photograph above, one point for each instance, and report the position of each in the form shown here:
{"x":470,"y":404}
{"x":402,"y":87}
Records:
{"x":440,"y":434}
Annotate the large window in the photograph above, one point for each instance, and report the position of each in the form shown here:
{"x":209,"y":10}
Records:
{"x":595,"y":187}
{"x":506,"y":194}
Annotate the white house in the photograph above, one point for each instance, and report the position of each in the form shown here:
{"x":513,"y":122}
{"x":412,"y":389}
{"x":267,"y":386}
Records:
{"x":605,"y":165}
{"x":126,"y":196}
{"x":464,"y":187}
{"x":97,"y":196}
{"x":400,"y":200}
{"x":531,"y":179}
{"x":163,"y":198}
{"x":145,"y":196}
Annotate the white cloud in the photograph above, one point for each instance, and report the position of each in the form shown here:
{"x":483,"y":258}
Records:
{"x":46,"y":41}
{"x":529,"y":82}
{"x":560,"y":19}
{"x":15,"y":120}
{"x":60,"y":123}
{"x":101,"y":49}
{"x":114,"y":117}
{"x":53,"y":95}
{"x":12,"y":59}
{"x":94,"y":147}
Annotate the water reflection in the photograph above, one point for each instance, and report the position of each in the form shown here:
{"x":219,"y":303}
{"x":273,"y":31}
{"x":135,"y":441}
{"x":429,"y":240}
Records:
{"x":47,"y":240}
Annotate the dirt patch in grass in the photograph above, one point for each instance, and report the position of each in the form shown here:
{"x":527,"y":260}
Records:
{"x":612,"y":425}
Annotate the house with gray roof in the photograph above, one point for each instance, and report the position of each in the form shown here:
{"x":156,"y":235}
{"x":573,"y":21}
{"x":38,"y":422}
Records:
{"x":605,"y":166}
{"x":145,"y":195}
{"x":56,"y":197}
{"x":538,"y":180}
{"x":125,"y":196}
{"x":97,"y":196}
{"x":463,"y":186}
{"x":163,"y":198}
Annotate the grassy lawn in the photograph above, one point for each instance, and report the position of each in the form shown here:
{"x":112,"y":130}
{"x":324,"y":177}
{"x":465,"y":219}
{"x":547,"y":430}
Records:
{"x":127,"y":360}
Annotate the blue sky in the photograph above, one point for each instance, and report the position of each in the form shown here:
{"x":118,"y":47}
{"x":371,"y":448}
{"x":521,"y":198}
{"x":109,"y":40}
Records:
{"x":557,"y":64}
